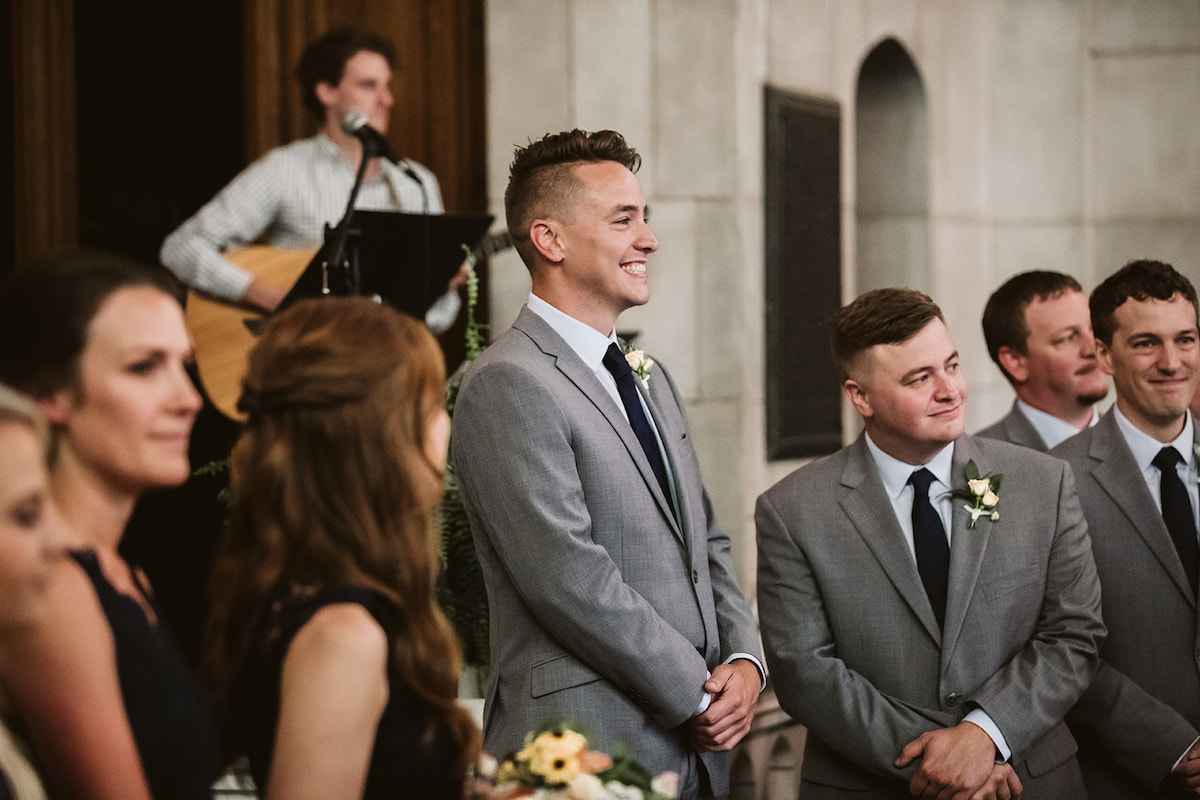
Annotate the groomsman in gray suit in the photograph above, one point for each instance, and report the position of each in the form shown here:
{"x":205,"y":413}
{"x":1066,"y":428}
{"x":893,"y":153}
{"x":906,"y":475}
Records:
{"x":1137,"y":724}
{"x":612,"y":596}
{"x":931,"y":644}
{"x":1039,"y":333}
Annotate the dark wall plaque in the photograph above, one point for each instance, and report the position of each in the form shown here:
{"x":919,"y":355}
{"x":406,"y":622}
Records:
{"x":803,"y":272}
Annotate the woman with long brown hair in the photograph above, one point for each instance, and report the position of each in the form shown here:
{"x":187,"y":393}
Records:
{"x":336,"y":673}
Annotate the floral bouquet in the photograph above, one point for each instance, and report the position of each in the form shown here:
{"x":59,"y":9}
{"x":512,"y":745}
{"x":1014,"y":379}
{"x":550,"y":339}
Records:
{"x":556,"y":764}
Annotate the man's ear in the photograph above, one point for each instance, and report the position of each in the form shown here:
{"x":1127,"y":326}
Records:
{"x":1014,"y":363}
{"x":857,"y":394}
{"x":544,"y":235}
{"x":324,"y":91}
{"x":1104,"y":358}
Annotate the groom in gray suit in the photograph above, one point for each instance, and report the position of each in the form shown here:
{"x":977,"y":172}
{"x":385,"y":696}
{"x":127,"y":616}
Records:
{"x":931,"y":645}
{"x":612,"y":596}
{"x":1142,"y":713}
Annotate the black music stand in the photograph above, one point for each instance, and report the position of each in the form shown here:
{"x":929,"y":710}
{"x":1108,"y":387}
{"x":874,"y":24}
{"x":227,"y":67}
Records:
{"x":405,"y":259}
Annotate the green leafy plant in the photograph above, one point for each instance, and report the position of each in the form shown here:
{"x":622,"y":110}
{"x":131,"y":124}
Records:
{"x":460,"y":589}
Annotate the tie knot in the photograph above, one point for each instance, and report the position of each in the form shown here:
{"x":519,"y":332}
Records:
{"x":1166,"y":459}
{"x":921,"y":480}
{"x":614,"y":362}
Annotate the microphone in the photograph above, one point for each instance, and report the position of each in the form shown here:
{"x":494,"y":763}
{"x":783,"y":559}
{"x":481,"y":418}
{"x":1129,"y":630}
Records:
{"x":354,"y":123}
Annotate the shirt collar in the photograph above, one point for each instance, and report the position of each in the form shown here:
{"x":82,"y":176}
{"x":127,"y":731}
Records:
{"x":895,"y":473}
{"x":329,"y":151}
{"x":1145,"y":447}
{"x":588,"y":343}
{"x":1054,"y":431}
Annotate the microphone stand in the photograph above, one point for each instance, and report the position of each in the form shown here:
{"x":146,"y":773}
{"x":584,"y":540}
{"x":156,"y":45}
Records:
{"x":342,"y":232}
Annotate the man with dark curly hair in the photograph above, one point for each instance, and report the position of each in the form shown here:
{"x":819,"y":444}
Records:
{"x":1138,"y":724}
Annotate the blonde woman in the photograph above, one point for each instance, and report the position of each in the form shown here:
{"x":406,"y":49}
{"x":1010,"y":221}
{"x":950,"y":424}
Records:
{"x":30,"y":545}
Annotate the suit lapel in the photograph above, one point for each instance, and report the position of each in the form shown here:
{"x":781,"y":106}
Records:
{"x":671,"y":434}
{"x":870,"y":511}
{"x":1120,"y":477}
{"x":967,"y":547}
{"x":568,"y":362}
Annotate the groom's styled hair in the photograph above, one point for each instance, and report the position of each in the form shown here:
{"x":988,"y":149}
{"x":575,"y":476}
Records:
{"x":881,"y":316}
{"x":542,"y":183}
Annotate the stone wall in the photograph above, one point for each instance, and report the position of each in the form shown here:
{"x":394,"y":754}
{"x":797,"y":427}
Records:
{"x":1061,"y":133}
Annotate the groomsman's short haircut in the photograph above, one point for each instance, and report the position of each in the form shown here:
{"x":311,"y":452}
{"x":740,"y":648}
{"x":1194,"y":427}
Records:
{"x":1138,"y":280}
{"x":881,"y":316}
{"x":1004,"y":315}
{"x":542,"y":183}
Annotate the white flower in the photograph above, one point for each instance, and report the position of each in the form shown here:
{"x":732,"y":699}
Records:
{"x":621,"y":791}
{"x":982,"y":492}
{"x":666,"y":784}
{"x":640,"y":363}
{"x":487,"y":766}
{"x":585,"y":787}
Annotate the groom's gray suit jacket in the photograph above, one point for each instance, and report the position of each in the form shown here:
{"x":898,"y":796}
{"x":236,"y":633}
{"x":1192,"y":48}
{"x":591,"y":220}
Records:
{"x":604,"y":609}
{"x":852,"y":643}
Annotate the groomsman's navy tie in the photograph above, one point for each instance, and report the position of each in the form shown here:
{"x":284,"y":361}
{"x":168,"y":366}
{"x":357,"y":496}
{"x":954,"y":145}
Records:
{"x":615,"y":361}
{"x":929,"y":540}
{"x":1177,"y":513}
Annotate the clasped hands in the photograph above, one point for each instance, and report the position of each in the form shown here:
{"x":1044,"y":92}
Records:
{"x":734,"y":688}
{"x":1187,"y":771}
{"x":958,"y":764}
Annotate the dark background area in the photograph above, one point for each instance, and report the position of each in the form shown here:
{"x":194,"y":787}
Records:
{"x":125,"y":116}
{"x":160,"y":131}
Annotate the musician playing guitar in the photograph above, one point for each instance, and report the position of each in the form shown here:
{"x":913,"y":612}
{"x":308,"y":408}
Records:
{"x":288,"y":195}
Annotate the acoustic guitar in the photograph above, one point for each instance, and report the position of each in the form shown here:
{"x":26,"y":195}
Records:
{"x":223,"y":333}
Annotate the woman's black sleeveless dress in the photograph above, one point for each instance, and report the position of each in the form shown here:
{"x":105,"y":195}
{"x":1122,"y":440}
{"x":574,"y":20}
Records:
{"x":400,"y":765}
{"x":170,"y":714}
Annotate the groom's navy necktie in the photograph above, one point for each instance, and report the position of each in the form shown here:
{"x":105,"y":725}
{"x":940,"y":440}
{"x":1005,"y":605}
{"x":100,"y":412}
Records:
{"x":615,"y":361}
{"x":1177,"y":513}
{"x":929,"y":541}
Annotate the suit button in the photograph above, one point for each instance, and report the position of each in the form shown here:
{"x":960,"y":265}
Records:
{"x":695,"y":576}
{"x":953,"y":698}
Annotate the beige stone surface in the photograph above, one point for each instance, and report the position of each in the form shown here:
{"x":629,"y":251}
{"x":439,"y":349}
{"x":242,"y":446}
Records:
{"x":1061,"y":135}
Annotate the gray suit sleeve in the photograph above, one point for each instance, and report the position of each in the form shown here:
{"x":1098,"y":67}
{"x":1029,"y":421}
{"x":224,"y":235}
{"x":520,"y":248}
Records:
{"x":1142,"y":734}
{"x":1037,"y":687}
{"x":844,"y":709}
{"x":516,"y":454}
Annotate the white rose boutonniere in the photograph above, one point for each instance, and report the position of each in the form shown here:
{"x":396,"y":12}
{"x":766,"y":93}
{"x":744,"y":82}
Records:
{"x":641,"y":364}
{"x":983,"y":493}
